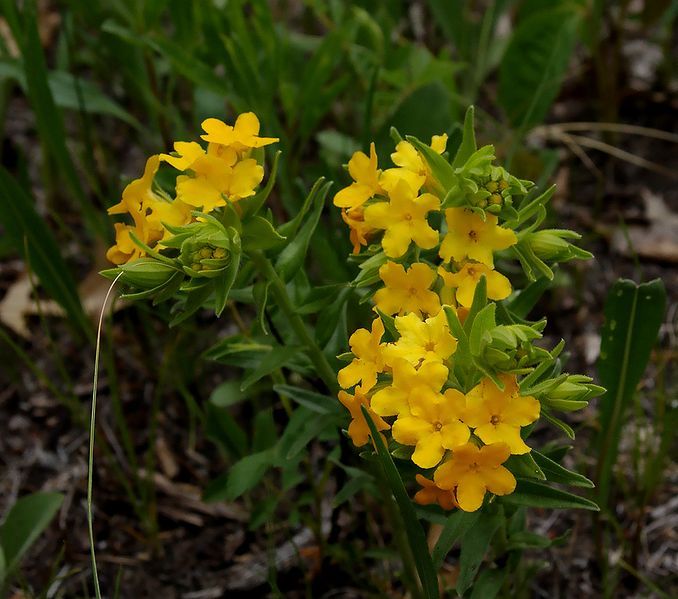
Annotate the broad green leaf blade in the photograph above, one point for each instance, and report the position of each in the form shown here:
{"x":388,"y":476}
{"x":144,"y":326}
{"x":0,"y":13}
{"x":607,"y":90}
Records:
{"x":530,"y":493}
{"x":415,"y":533}
{"x":27,"y":519}
{"x":259,"y":234}
{"x":633,"y":315}
{"x":28,"y":232}
{"x":456,"y":526}
{"x":559,"y":474}
{"x":535,"y":63}
{"x":474,"y":547}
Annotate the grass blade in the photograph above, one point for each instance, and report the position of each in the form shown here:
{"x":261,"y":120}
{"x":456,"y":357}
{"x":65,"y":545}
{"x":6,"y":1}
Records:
{"x":30,"y":235}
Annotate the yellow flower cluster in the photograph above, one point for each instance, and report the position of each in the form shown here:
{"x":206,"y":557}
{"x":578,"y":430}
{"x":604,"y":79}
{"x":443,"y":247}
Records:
{"x":406,"y":385}
{"x":224,"y":172}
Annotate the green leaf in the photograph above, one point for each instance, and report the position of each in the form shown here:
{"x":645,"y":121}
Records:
{"x":25,"y":522}
{"x":252,"y":205}
{"x":292,"y":257}
{"x":474,"y":547}
{"x":483,"y":322}
{"x":413,"y":529}
{"x":276,"y":358}
{"x":559,"y":474}
{"x":222,"y":429}
{"x":557,"y":422}
{"x":525,"y":465}
{"x":34,"y":241}
{"x":456,"y":526}
{"x":258,"y":234}
{"x":531,"y":493}
{"x":489,"y":583}
{"x":242,"y":476}
{"x":440,"y":168}
{"x":260,"y":294}
{"x":222,"y":285}
{"x":316,"y":402}
{"x":633,"y":315}
{"x":228,"y":394}
{"x":468,"y":141}
{"x":479,"y":302}
{"x":535,"y":63}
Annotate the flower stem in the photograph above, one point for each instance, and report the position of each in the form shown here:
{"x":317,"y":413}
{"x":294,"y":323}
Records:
{"x":279,"y":291}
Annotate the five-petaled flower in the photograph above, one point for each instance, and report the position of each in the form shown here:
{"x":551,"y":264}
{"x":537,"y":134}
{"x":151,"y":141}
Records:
{"x":408,"y":382}
{"x":242,"y":136}
{"x":407,"y":291}
{"x":433,"y":425}
{"x":497,"y":415}
{"x":472,"y":470}
{"x":466,"y":280}
{"x":469,"y":236}
{"x":358,"y":429}
{"x":368,"y":361}
{"x":365,"y":174}
{"x":431,"y":493}
{"x":404,"y":220}
{"x":422,"y":340}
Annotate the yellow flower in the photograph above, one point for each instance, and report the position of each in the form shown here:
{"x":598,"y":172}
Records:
{"x":433,"y":425}
{"x":469,"y":236}
{"x":355,"y":219}
{"x":241,"y":137}
{"x":368,"y":361}
{"x":391,"y":177}
{"x":408,"y":382}
{"x":472,"y":471}
{"x":125,"y":250}
{"x":365,"y":174}
{"x":407,"y":158}
{"x":431,"y":493}
{"x":466,"y":280}
{"x":404,"y":219}
{"x":420,"y":340}
{"x":139,"y":200}
{"x":407,"y":291}
{"x":498,"y":415}
{"x":209,"y":191}
{"x":359,"y":430}
{"x":174,"y":213}
{"x":138,"y":195}
{"x":439,"y":143}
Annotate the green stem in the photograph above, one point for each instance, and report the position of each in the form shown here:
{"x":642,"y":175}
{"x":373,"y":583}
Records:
{"x":279,"y":291}
{"x":410,"y":575}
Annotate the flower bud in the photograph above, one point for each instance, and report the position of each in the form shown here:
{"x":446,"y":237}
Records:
{"x":552,"y":245}
{"x":144,"y":273}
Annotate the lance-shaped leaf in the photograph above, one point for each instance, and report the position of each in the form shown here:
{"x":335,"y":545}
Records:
{"x":633,"y":314}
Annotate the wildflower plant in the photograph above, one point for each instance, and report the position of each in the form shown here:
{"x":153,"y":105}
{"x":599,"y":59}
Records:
{"x":449,"y":384}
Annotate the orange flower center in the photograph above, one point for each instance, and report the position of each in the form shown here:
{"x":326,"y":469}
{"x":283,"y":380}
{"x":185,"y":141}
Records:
{"x":408,"y":217}
{"x":473,"y":235}
{"x":430,"y":346}
{"x":437,"y":425}
{"x":495,"y":419}
{"x":412,"y":291}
